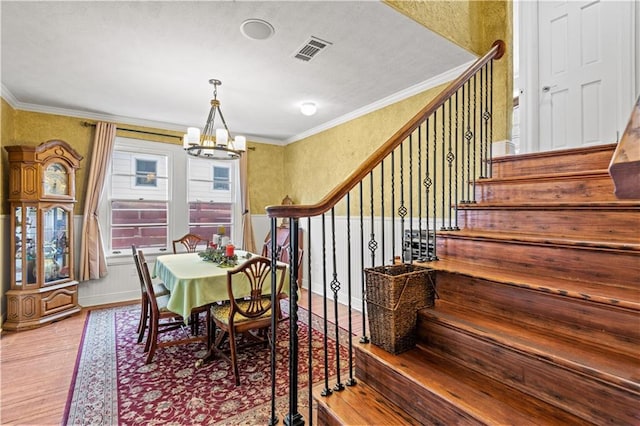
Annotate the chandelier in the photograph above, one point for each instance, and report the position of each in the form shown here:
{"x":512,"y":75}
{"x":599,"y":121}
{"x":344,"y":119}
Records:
{"x":214,"y":143}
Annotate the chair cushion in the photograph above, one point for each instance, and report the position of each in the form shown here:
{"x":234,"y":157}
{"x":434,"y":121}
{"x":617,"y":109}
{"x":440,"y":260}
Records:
{"x":160,"y":290}
{"x":162,"y":303}
{"x":221,"y":313}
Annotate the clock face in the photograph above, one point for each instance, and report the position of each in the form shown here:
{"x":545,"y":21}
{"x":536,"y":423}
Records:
{"x":56,"y":180}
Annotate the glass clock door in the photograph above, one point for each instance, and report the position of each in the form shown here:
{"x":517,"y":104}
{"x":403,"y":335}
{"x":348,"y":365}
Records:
{"x":56,"y":244}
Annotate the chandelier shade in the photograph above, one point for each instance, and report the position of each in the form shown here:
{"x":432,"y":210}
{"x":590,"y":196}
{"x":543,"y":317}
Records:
{"x":215,"y":143}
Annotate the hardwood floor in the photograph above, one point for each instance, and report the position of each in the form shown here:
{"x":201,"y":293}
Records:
{"x":36,"y":367}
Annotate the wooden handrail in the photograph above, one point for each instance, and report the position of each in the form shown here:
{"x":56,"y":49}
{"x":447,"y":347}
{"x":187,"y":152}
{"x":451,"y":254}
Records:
{"x":624,"y":168}
{"x":298,"y":211}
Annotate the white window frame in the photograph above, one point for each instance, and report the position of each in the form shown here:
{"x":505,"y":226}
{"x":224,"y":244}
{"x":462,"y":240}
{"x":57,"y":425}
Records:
{"x":177,"y":215}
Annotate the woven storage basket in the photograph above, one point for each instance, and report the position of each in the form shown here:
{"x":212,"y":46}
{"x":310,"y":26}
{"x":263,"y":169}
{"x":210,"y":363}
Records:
{"x":394,"y":295}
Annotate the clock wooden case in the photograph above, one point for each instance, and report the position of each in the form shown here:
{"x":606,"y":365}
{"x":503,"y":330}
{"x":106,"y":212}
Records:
{"x":41,"y":197}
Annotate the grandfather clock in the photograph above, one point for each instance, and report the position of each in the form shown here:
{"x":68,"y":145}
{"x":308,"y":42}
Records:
{"x":42,"y":196}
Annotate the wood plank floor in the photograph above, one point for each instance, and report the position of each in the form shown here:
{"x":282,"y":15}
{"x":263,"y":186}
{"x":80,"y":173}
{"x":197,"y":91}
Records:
{"x":36,"y":367}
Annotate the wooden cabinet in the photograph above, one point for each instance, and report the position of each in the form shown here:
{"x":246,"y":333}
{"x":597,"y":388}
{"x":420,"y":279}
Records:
{"x":41,"y":197}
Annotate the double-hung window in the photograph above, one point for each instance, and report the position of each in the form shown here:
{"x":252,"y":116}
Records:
{"x":155,"y":193}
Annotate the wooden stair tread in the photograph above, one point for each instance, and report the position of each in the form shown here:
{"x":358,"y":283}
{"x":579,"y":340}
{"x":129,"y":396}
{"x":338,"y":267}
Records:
{"x":624,"y":297}
{"x":632,"y":246}
{"x":615,"y":368}
{"x":362,"y":405}
{"x":577,"y":175}
{"x":549,"y":205}
{"x":483,"y":399}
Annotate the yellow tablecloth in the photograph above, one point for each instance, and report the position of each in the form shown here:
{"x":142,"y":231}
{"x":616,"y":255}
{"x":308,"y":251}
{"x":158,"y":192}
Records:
{"x":194,"y":282}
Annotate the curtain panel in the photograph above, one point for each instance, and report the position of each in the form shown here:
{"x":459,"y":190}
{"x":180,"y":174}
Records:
{"x":248,"y":241}
{"x":93,"y":264}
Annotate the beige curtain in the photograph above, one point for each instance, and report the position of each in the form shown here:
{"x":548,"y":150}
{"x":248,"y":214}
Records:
{"x":93,"y":264}
{"x":248,"y":242}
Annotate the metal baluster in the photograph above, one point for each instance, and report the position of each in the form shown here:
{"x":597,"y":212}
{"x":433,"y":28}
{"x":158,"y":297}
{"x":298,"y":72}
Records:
{"x":274,"y":297}
{"x":373,"y":244}
{"x":326,"y":390}
{"x":335,"y":287}
{"x":411,"y":197}
{"x":294,"y":418}
{"x":402,"y":210}
{"x":482,"y":157}
{"x":435,"y":181}
{"x":462,"y":154}
{"x":450,"y":158}
{"x":393,"y":207}
{"x":364,"y":338}
{"x":351,"y":381}
{"x":468,"y":136}
{"x":382,"y":208}
{"x":475,"y":157}
{"x":427,"y":186}
{"x":491,"y":117}
{"x":443,"y":192}
{"x":309,"y":324}
{"x":455,"y":198}
{"x":420,"y":256}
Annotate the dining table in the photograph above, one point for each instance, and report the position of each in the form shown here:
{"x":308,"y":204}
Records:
{"x":195,"y":282}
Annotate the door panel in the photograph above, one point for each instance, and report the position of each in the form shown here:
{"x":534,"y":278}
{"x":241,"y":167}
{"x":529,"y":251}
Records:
{"x":578,"y":73}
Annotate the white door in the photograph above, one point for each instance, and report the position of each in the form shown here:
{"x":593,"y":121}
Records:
{"x":582,"y":87}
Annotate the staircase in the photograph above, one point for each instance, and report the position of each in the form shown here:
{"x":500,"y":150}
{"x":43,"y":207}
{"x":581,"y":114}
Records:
{"x":538,"y":316}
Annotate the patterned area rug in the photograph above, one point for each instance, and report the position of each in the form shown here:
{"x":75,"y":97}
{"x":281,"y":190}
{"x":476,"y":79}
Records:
{"x":112,"y":385}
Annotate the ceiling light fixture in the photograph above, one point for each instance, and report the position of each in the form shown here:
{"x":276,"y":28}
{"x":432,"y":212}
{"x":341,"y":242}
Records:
{"x":214,"y":143}
{"x":308,"y":108}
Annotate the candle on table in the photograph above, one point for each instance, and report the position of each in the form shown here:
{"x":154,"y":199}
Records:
{"x":230,"y":250}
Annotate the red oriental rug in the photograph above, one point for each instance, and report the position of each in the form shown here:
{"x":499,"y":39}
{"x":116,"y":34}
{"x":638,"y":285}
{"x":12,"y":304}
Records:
{"x":112,"y":385}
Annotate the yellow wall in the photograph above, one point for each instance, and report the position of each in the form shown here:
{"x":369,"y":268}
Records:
{"x":32,"y":128}
{"x":7,"y":119}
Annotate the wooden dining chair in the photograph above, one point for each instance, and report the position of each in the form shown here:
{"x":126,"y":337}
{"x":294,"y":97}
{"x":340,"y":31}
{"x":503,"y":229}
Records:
{"x":190,"y":242}
{"x":159,"y":289}
{"x":159,"y":314}
{"x":250,"y":315}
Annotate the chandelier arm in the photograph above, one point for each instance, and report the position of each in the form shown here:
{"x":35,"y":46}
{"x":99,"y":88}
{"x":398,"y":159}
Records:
{"x":224,"y":123}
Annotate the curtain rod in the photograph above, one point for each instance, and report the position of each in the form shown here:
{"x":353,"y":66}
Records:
{"x":87,"y":124}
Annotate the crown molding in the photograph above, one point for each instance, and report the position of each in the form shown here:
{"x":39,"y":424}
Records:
{"x":24,"y":106}
{"x":396,"y":97}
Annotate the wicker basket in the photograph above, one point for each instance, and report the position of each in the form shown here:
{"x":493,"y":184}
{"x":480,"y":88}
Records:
{"x":394,"y":295}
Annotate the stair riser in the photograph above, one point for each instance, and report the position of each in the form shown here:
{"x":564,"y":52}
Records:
{"x":598,"y":324}
{"x":417,"y":401}
{"x":598,"y":225}
{"x":582,"y":396}
{"x":587,"y":264}
{"x":586,"y":188}
{"x":554,"y":162}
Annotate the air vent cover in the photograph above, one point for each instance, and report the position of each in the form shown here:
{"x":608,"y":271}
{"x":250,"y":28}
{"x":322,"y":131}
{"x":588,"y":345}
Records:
{"x":311,"y":48}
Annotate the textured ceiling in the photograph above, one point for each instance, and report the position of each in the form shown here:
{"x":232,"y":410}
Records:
{"x":150,"y":62}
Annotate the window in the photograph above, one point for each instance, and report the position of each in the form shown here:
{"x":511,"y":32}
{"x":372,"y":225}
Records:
{"x":155,"y":193}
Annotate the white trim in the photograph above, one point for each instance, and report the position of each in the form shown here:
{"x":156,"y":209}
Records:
{"x":502,"y":148}
{"x":528,"y":75}
{"x":396,"y":97}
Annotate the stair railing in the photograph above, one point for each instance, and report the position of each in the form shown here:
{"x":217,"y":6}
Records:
{"x":389,"y":209}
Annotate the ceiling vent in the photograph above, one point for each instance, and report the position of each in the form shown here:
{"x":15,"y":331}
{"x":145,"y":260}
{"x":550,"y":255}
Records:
{"x":311,"y":49}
